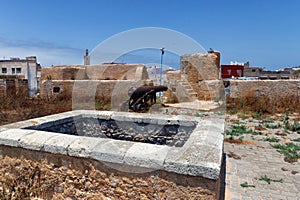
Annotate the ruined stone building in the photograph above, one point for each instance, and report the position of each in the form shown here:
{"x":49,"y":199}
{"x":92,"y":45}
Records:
{"x":21,"y":69}
{"x":197,"y":79}
{"x":85,"y":83}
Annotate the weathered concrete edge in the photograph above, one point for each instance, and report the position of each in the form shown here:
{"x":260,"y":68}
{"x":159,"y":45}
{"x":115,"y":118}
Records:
{"x":95,"y":147}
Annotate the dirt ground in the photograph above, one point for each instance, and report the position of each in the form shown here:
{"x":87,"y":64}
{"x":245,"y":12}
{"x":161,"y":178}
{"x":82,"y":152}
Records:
{"x":21,"y":178}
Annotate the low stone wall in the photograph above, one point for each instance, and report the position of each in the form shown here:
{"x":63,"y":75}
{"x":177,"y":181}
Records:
{"x":13,"y":86}
{"x":270,"y":88}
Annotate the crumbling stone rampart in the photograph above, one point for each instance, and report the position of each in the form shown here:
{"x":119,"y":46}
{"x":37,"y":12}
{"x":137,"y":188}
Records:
{"x":96,"y":72}
{"x":270,"y":88}
{"x":198,"y":78}
{"x":93,"y":81}
{"x":199,"y":67}
{"x":63,"y":73}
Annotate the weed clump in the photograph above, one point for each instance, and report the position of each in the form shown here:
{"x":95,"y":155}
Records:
{"x":272,"y":139}
{"x":290,"y":151}
{"x":238,"y":130}
{"x":246,"y":185}
{"x":269,"y":180}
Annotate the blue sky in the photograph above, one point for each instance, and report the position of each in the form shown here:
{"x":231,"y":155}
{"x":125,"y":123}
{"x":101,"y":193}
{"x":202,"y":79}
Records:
{"x":264,"y":32}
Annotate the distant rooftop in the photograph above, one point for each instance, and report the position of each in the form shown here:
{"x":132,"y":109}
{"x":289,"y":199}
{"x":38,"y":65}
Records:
{"x":16,"y":59}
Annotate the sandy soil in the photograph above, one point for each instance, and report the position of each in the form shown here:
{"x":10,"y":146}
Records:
{"x":21,"y":178}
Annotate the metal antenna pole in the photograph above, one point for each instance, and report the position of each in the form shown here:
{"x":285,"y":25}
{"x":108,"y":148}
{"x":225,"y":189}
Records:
{"x":161,"y":60}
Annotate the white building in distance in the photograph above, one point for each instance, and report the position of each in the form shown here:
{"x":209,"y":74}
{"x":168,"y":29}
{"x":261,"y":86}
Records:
{"x":27,"y":68}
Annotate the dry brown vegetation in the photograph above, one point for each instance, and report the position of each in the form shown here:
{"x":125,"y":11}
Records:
{"x":19,"y":107}
{"x":14,"y":108}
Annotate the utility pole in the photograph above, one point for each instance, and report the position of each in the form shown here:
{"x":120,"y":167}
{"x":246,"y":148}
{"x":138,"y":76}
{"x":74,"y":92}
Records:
{"x":161,"y":60}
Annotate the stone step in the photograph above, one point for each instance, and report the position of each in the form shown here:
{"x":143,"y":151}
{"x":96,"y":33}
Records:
{"x":182,"y":81}
{"x":190,"y":90}
{"x":187,"y":87}
{"x":184,"y":84}
{"x":193,"y":95}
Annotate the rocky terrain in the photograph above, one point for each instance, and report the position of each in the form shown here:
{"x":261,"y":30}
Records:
{"x":21,"y":178}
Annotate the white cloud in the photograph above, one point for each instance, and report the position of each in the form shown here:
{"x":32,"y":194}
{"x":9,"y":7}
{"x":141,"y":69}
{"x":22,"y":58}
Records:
{"x":46,"y":53}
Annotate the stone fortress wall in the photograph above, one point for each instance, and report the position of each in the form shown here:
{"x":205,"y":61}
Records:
{"x":197,"y":79}
{"x":270,"y":88}
{"x":104,"y":78}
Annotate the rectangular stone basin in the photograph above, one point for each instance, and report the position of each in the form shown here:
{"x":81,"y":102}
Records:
{"x":182,"y":144}
{"x":170,"y":132}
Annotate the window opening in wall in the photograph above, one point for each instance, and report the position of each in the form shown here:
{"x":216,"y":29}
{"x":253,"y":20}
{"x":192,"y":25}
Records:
{"x":19,"y":70}
{"x":13,"y":70}
{"x":4,"y":70}
{"x":56,"y":89}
